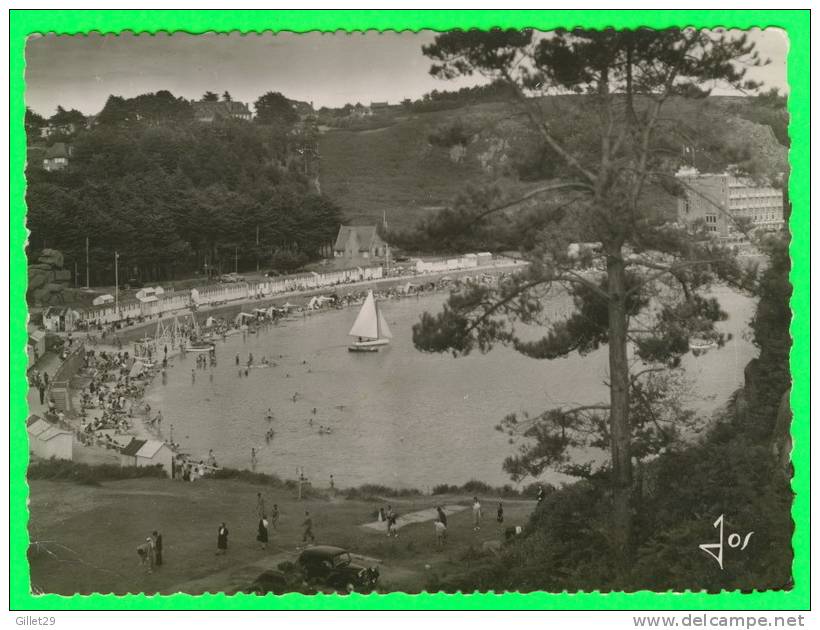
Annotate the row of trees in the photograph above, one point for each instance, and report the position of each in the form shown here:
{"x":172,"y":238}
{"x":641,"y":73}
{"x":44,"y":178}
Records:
{"x":645,"y":284}
{"x":162,"y":107}
{"x":172,"y":195}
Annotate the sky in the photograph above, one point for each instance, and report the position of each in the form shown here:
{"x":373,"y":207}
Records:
{"x":328,"y":69}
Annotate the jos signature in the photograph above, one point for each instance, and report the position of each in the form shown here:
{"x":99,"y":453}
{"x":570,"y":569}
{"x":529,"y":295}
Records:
{"x":734,"y":541}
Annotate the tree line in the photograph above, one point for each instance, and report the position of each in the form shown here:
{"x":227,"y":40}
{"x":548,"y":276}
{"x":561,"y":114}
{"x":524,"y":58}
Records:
{"x":173,"y":195}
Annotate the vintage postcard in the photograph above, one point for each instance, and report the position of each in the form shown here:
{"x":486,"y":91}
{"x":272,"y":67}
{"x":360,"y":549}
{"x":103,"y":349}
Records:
{"x":446,"y":303}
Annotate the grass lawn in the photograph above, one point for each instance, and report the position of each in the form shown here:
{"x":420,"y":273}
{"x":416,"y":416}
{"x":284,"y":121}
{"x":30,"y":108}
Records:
{"x":88,"y":535}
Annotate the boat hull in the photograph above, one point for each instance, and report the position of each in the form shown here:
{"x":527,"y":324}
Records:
{"x":199,"y":348}
{"x":370,"y":345}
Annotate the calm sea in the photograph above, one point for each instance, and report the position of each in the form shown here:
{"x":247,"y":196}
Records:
{"x":398,"y":417}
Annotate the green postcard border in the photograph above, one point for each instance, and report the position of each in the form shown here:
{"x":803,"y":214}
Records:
{"x":795,"y":22}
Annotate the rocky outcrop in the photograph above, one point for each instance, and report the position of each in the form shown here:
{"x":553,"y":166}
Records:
{"x":47,"y":280}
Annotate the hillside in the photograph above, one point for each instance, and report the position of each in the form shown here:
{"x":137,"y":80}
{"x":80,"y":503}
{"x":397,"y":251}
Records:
{"x":390,"y":167}
{"x":395,"y":170}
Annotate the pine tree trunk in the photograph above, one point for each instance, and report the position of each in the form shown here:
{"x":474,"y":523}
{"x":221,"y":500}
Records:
{"x":620,"y":434}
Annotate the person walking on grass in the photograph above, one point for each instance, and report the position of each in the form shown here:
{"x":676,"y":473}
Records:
{"x":260,"y":505}
{"x":476,"y":514}
{"x":262,"y":533}
{"x":157,"y":540}
{"x":307,"y":524}
{"x":500,"y":513}
{"x":392,"y":517}
{"x":222,"y":540}
{"x":146,"y":553}
{"x":442,"y":516}
{"x":274,"y":516}
{"x":441,"y":534}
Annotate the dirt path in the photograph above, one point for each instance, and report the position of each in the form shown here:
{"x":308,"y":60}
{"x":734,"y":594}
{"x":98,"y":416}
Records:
{"x":420,"y":516}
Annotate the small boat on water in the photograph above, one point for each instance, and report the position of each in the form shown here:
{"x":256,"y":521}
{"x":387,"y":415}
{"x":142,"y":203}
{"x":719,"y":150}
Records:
{"x":370,"y":328}
{"x":200,"y":346}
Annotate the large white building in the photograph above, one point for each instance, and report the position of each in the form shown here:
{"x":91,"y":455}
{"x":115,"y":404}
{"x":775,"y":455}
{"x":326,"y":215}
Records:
{"x":719,"y":200}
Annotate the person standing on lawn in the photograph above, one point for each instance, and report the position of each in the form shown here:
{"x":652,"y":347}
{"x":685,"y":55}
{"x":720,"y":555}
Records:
{"x":442,"y":516}
{"x":274,"y":516}
{"x":441,"y":534}
{"x":146,"y":553}
{"x":307,"y":524}
{"x":222,"y":540}
{"x":262,"y":532}
{"x":157,"y":540}
{"x":260,"y":505}
{"x":476,"y":514}
{"x":392,"y":517}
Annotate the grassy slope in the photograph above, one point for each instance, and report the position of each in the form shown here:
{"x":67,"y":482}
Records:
{"x":394,"y":169}
{"x":94,"y":532}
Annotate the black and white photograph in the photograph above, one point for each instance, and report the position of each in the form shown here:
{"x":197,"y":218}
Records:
{"x":460,"y":311}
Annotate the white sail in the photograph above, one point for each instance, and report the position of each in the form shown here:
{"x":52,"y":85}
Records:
{"x":384,"y":329}
{"x":367,"y":322}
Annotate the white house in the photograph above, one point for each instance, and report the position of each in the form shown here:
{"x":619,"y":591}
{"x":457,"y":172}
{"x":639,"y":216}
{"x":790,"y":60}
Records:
{"x":47,"y":441}
{"x":147,"y":453}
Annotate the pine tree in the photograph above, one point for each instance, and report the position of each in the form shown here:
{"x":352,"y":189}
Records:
{"x":640,"y":280}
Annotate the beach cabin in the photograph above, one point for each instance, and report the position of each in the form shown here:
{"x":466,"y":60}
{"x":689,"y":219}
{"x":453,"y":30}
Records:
{"x":484,"y":258}
{"x":147,"y":453}
{"x":46,"y":440}
{"x":36,"y":345}
{"x":469,"y":260}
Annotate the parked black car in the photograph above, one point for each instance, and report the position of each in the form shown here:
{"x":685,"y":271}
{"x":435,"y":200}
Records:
{"x":334,"y":568}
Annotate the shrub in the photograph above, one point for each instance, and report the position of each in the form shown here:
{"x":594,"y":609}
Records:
{"x":66,"y":470}
{"x":371,"y":491}
{"x":477,"y":487}
{"x":445,"y":489}
{"x":262,"y":479}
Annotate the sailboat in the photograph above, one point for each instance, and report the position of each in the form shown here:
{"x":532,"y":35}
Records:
{"x":370,"y":328}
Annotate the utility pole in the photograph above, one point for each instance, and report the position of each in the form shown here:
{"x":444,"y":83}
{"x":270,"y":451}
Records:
{"x":87,"y":274}
{"x":116,"y":283}
{"x":236,"y":260}
{"x":257,"y":248}
{"x":386,"y":244}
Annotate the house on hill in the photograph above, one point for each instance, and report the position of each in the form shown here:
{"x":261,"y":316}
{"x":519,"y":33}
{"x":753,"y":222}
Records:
{"x":359,"y":241}
{"x":303,"y":109}
{"x":376,"y":106}
{"x":208,"y":111}
{"x":56,"y":157}
{"x":59,"y":129}
{"x":147,"y":453}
